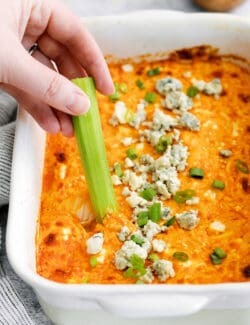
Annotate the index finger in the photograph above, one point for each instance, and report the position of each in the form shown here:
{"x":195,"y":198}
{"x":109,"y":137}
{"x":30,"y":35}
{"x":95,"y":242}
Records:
{"x":66,"y":28}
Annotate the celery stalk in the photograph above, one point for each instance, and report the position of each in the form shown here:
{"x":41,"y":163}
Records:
{"x":88,"y":132}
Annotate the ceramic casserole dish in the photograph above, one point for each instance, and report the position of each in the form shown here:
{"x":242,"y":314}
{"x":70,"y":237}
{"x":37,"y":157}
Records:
{"x":121,"y":36}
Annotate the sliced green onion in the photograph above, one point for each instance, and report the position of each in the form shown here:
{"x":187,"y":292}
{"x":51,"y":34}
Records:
{"x":118,"y":169}
{"x":139,"y":282}
{"x":140,"y":84}
{"x":215,"y":259}
{"x":115,"y":96}
{"x":192,"y":91}
{"x":132,"y":153}
{"x":153,"y":257}
{"x":220,"y":252}
{"x":154,"y":212}
{"x":181,"y":256}
{"x":137,"y":240}
{"x":148,"y":194}
{"x":131,"y":273}
{"x":119,"y":87}
{"x":93,"y":261}
{"x":150,"y":97}
{"x":90,"y":141}
{"x":170,"y":222}
{"x":183,"y":196}
{"x":218,"y":184}
{"x":137,"y":268}
{"x":196,"y":172}
{"x":123,"y":87}
{"x":242,"y":166}
{"x":163,"y":143}
{"x":137,"y":263}
{"x":142,"y":218}
{"x":153,"y":72}
{"x":217,"y":255}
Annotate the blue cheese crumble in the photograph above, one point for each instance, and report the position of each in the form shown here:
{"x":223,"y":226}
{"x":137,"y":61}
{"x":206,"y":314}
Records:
{"x":163,"y":269}
{"x":95,"y":243}
{"x":148,"y":277}
{"x":158,"y":245}
{"x":168,"y":84}
{"x":124,"y":233}
{"x":178,"y":102}
{"x":187,"y":220}
{"x":123,"y":255}
{"x":213,"y":87}
{"x":163,"y":122}
{"x":189,"y":121}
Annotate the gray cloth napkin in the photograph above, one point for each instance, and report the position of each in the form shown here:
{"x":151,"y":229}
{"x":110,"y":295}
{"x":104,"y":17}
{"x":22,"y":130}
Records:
{"x":18,"y":303}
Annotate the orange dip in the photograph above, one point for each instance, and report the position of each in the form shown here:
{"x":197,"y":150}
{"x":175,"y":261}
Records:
{"x":65,"y":217}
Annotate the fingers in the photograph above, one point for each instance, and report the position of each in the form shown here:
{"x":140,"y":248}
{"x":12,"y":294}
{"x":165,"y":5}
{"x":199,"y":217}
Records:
{"x":64,"y":120}
{"x":67,"y":29}
{"x":49,"y":119}
{"x":42,"y":113}
{"x":65,"y":123}
{"x":48,"y":86}
{"x":66,"y":64}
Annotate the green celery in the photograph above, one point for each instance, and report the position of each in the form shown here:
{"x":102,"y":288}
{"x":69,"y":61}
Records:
{"x":88,"y":132}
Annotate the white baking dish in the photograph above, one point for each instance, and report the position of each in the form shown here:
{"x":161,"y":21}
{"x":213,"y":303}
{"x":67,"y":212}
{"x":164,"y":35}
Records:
{"x":121,"y":36}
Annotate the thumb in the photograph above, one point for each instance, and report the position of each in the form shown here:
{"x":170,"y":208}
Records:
{"x":31,"y":76}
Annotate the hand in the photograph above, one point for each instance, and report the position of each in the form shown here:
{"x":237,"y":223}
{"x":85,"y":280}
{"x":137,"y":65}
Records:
{"x":45,"y":93}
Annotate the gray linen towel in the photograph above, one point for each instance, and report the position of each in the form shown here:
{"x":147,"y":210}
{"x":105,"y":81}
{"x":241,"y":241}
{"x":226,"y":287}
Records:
{"x":18,"y":303}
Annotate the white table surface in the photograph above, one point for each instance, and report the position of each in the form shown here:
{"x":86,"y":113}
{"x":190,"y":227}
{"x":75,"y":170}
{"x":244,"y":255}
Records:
{"x":207,"y":317}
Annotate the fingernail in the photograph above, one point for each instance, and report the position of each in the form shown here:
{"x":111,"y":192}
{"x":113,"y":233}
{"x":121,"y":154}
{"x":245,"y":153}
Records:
{"x":80,"y":104}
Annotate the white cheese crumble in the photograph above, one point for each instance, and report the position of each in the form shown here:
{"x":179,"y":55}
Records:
{"x":148,"y":277}
{"x":119,"y":115}
{"x":126,"y":191}
{"x":162,"y":189}
{"x":163,"y":121}
{"x":168,"y":84}
{"x":187,"y":220}
{"x":123,"y":255}
{"x":101,"y":256}
{"x":178,"y":156}
{"x":187,"y":74}
{"x":152,"y":137}
{"x":127,"y":67}
{"x":158,"y":245}
{"x":217,"y":226}
{"x":124,"y":233}
{"x":135,"y":200}
{"x":189,"y":121}
{"x":163,"y":269}
{"x":151,"y":229}
{"x":128,"y":163}
{"x":116,"y":180}
{"x":140,"y":116}
{"x":127,"y":141}
{"x":168,"y":177}
{"x":225,"y":153}
{"x":213,"y":87}
{"x":178,"y":102}
{"x":135,"y":182}
{"x":210,"y":194}
{"x":193,"y":200}
{"x":62,"y":171}
{"x":162,"y":162}
{"x":95,"y":243}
